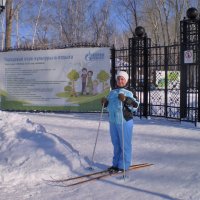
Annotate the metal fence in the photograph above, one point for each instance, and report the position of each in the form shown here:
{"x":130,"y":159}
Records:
{"x":164,"y":78}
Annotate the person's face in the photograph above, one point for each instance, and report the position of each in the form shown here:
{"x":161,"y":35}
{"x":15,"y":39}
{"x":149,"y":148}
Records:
{"x":84,"y":72}
{"x":121,"y":81}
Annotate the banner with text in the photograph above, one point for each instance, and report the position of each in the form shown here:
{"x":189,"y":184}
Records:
{"x":73,"y":79}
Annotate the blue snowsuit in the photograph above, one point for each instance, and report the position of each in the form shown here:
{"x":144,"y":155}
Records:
{"x":116,"y":119}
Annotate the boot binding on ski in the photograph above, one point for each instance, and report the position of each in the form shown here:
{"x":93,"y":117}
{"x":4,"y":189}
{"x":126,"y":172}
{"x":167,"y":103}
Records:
{"x":113,"y":169}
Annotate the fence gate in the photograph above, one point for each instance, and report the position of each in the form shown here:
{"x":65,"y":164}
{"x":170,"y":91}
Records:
{"x":164,"y":81}
{"x":164,"y":78}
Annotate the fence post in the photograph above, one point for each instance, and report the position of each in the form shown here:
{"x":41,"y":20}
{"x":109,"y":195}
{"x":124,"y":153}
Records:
{"x":183,"y":81}
{"x":199,"y":82}
{"x":166,"y":79}
{"x":190,"y":66}
{"x":146,"y":77}
{"x":139,"y":63}
{"x":112,"y":70}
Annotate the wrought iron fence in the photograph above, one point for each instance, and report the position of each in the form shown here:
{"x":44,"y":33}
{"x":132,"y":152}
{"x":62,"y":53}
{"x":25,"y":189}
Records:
{"x":164,"y":78}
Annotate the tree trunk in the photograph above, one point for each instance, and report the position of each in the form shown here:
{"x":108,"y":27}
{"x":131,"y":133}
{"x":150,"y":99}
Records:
{"x":3,"y":34}
{"x":9,"y":16}
{"x":36,"y":24}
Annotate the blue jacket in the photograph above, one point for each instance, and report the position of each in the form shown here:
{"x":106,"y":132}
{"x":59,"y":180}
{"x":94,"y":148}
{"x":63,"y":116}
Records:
{"x":115,"y":106}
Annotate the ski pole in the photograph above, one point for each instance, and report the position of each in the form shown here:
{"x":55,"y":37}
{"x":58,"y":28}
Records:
{"x":124,"y":172}
{"x":92,"y":160}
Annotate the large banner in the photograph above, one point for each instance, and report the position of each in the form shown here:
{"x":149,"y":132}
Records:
{"x":73,"y":79}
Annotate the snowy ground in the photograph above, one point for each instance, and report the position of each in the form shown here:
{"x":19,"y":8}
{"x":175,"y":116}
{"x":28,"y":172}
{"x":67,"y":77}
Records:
{"x":36,"y":147}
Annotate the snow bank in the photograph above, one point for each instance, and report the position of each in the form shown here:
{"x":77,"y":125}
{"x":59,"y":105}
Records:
{"x":27,"y":150}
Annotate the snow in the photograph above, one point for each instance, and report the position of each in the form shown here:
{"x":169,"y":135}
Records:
{"x":36,"y":147}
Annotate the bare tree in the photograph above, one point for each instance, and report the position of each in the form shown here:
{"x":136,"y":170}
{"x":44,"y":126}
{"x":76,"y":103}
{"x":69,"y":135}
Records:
{"x":36,"y":23}
{"x":2,"y":19}
{"x":9,"y":20}
{"x":101,"y":26}
{"x":153,"y":20}
{"x":157,"y":14}
{"x":70,"y":19}
{"x":12,"y":13}
{"x":178,"y":9}
{"x":16,"y":12}
{"x":98,"y":21}
{"x":128,"y":13}
{"x":166,"y":7}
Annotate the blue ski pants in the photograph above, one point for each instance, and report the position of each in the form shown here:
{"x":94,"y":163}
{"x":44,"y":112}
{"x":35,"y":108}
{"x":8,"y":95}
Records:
{"x":117,"y":134}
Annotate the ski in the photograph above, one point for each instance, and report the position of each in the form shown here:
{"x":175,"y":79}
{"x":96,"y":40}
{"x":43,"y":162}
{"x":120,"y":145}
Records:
{"x":90,"y":175}
{"x":96,"y":176}
{"x":79,"y":177}
{"x":134,"y":167}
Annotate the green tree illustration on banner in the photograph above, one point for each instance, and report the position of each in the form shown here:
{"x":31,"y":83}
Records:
{"x":103,"y":76}
{"x":73,"y":76}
